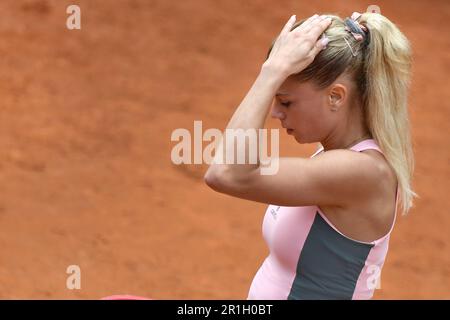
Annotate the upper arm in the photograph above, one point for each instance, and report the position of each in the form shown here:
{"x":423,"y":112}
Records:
{"x":335,"y":177}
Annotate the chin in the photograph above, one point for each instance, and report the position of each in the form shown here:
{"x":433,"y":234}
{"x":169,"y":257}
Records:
{"x":302,"y":140}
{"x":299,"y":140}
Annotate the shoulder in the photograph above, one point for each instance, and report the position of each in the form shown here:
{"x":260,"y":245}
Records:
{"x":385,"y":174}
{"x":363,"y":164}
{"x":356,"y":176}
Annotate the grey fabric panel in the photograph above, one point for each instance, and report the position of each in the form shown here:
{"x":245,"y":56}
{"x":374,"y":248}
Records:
{"x":329,"y":264}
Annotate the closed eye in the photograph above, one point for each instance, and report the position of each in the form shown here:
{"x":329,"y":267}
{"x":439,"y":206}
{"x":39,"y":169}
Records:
{"x":285,"y":104}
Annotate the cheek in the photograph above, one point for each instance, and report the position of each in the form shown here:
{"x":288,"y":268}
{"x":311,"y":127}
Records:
{"x":310,"y":123}
{"x":307,"y":117}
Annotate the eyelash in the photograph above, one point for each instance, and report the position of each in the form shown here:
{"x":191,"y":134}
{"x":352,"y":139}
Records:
{"x":285,"y":104}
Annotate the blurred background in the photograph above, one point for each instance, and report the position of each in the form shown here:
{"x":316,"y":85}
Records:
{"x":85,"y":171}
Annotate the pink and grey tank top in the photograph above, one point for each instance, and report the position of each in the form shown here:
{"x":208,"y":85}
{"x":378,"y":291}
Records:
{"x":309,"y":258}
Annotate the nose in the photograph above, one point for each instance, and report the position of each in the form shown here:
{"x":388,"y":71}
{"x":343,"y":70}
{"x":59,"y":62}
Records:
{"x":277,"y":113}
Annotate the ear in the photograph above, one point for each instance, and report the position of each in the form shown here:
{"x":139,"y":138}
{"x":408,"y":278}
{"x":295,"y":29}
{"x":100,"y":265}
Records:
{"x":336,"y":96}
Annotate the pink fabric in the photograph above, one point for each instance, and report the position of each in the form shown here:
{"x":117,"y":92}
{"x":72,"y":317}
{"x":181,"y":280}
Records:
{"x":274,"y":279}
{"x":369,"y":278}
{"x":285,"y":230}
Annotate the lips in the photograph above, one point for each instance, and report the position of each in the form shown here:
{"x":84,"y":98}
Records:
{"x":288,"y":130}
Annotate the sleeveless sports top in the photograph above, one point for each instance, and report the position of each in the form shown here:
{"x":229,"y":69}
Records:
{"x":309,"y":258}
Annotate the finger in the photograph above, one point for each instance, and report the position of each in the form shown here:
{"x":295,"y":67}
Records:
{"x":319,"y":46}
{"x":318,"y":27}
{"x":314,"y":22}
{"x":289,"y":24}
{"x":310,"y":20}
{"x":284,"y":31}
{"x":307,"y":22}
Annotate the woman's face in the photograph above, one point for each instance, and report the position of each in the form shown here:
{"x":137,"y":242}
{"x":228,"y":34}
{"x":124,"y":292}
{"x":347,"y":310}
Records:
{"x":304,"y":111}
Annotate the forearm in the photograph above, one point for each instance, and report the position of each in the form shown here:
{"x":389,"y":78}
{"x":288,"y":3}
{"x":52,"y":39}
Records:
{"x":291,"y":53}
{"x":250,"y":115}
{"x":252,"y":111}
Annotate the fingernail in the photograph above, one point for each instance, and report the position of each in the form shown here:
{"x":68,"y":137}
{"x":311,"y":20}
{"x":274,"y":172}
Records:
{"x":325,"y":41}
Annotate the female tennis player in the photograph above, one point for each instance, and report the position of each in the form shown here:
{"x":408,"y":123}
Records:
{"x":343,"y":83}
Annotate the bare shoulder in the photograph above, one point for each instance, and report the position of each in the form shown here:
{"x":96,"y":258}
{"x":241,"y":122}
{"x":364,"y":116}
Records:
{"x":367,"y":165}
{"x":387,"y":177}
{"x":368,"y":173}
{"x":368,"y":216}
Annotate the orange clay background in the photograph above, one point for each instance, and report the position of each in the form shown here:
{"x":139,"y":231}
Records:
{"x":85,"y":171}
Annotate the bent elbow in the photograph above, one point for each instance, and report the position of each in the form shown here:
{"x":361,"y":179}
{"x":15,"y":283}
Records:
{"x":224,"y":180}
{"x":220,"y":179}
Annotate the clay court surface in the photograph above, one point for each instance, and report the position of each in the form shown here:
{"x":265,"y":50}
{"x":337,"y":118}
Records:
{"x":85,"y":171}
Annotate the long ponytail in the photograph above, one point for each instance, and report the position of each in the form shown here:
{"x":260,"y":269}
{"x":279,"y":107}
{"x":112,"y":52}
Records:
{"x":387,"y":67}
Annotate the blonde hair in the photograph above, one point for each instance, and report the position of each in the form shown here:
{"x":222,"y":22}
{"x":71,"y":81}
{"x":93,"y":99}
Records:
{"x":380,"y":65}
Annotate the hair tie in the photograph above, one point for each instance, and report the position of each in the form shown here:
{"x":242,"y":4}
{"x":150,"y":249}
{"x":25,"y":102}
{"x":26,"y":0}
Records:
{"x":352,"y":25}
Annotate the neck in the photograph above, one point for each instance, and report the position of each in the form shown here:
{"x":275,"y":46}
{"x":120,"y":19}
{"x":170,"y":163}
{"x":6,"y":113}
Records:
{"x":346,"y":136}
